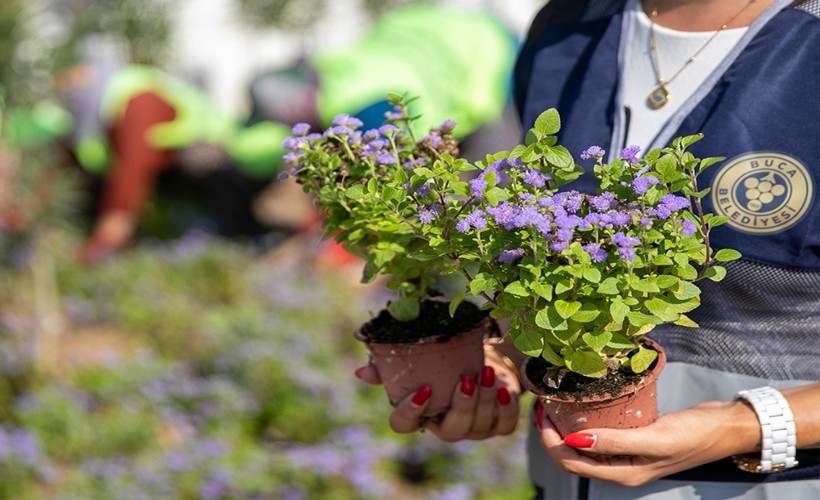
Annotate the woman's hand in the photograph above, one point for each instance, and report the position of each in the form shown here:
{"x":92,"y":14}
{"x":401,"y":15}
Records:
{"x":678,"y":441}
{"x":480,"y":408}
{"x":675,"y":442}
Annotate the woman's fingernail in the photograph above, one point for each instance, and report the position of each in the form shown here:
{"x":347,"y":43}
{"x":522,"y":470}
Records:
{"x":539,"y":415}
{"x":580,"y":440}
{"x":503,"y":396}
{"x":467,"y":385}
{"x":358,"y":372}
{"x":487,"y":377}
{"x":422,"y":395}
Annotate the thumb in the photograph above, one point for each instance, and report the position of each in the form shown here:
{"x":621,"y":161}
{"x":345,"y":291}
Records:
{"x":368,"y":374}
{"x":641,"y":441}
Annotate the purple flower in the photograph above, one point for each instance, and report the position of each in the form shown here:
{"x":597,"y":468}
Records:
{"x":530,"y":216}
{"x":377,"y":143}
{"x":619,"y":219}
{"x":573,"y":201}
{"x":597,"y":253}
{"x":510,"y":256}
{"x":626,"y":253}
{"x":347,"y":121}
{"x":674,"y":203}
{"x":474,"y":219}
{"x":477,"y":185}
{"x":602,"y":202}
{"x":557,"y":246}
{"x":641,"y":184}
{"x":434,"y":140}
{"x":371,"y":135}
{"x":428,"y":213}
{"x":623,"y":240}
{"x":292,"y":157}
{"x":386,"y":158}
{"x":504,"y":214}
{"x":300,"y":129}
{"x":630,"y":153}
{"x":517,"y":163}
{"x":526,"y":197}
{"x":337,"y":131}
{"x":592,"y":152}
{"x":688,"y":227}
{"x":535,"y":178}
{"x":424,"y":190}
{"x":567,"y":221}
{"x":564,"y":235}
{"x":448,"y":126}
{"x":388,"y":129}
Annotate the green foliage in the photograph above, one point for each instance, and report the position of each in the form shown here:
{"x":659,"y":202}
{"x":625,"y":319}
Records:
{"x":581,"y":278}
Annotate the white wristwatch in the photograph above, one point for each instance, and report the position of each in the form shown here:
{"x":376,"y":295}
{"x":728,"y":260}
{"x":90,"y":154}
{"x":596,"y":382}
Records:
{"x":777,"y":429}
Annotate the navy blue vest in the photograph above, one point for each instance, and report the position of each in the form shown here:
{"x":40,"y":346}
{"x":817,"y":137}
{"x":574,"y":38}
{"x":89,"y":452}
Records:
{"x":763,"y":112}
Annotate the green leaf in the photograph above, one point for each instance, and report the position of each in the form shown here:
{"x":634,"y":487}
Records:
{"x":618,"y":310}
{"x":592,"y":275}
{"x":662,"y":260}
{"x":548,"y":122}
{"x":686,"y":321}
{"x":566,"y":309}
{"x":586,"y":363}
{"x":516,"y":288}
{"x":562,"y":286}
{"x":597,"y":341}
{"x":355,"y":192}
{"x":529,"y":342}
{"x":495,"y":195}
{"x":560,"y":157}
{"x":618,"y":341}
{"x":661,"y":309}
{"x":667,"y":281}
{"x":609,"y":287}
{"x":455,"y":302}
{"x":549,"y":319}
{"x":641,"y":360}
{"x":588,"y":312}
{"x":715,"y":273}
{"x":404,"y":309}
{"x":727,"y":255}
{"x":667,"y":167}
{"x":551,"y":356}
{"x":542,"y":290}
{"x":640,"y":319}
{"x":718,"y":220}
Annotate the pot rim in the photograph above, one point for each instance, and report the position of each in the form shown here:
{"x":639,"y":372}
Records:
{"x":429,"y":340}
{"x":650,"y":376}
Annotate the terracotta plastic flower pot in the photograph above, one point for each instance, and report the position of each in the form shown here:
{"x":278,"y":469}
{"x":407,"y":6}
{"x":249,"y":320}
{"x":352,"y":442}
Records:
{"x":404,"y":368}
{"x":635,"y":406}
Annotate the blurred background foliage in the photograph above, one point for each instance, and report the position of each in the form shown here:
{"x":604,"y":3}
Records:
{"x":195,"y":368}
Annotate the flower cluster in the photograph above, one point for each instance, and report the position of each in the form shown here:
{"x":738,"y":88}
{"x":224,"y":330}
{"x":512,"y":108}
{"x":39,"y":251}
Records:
{"x":581,"y":276}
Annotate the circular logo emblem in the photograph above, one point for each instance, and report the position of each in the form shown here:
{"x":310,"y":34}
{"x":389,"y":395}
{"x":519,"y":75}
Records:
{"x":762,"y":192}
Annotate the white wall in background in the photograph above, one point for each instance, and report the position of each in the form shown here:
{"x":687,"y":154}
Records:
{"x":212,"y":46}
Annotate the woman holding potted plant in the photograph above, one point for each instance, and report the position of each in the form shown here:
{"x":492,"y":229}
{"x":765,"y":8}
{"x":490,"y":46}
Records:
{"x":758,"y":327}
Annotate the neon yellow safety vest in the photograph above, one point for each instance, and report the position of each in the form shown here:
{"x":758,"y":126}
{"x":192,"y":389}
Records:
{"x":459,"y":62}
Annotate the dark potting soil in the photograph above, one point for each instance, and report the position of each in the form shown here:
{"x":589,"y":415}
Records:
{"x":434,"y":320}
{"x":577,"y":386}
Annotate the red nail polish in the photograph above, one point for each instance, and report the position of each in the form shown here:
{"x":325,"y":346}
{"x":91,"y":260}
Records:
{"x":358,"y":372}
{"x":539,"y":415}
{"x":503,"y":396}
{"x":580,"y":440}
{"x":467,"y":385}
{"x":487,"y":377}
{"x":422,"y":395}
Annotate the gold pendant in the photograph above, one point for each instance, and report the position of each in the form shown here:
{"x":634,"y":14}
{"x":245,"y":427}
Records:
{"x":659,"y":97}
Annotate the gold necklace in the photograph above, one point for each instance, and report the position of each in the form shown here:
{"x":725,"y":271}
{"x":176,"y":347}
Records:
{"x":660,"y":96}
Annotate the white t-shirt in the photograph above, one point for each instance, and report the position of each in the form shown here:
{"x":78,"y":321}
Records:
{"x":674,"y":49}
